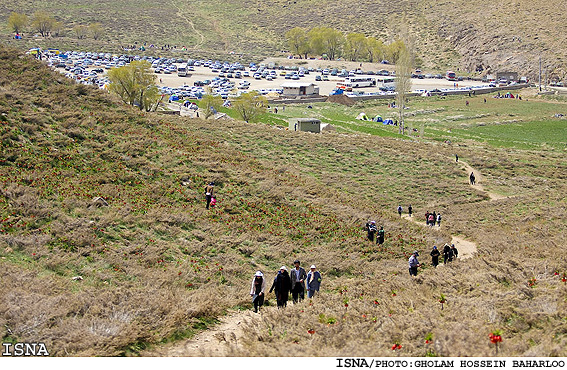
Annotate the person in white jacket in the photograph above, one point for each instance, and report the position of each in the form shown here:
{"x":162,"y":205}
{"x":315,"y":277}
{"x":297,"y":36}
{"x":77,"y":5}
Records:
{"x":257,"y":290}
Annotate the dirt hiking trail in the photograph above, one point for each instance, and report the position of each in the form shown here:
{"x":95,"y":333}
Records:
{"x":214,"y":342}
{"x":479,"y":180}
{"x":465,"y":247}
{"x":220,"y":340}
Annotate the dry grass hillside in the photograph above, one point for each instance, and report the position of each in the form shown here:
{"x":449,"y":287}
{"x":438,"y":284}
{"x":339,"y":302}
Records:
{"x":157,"y":267}
{"x":504,"y":35}
{"x":456,"y":34}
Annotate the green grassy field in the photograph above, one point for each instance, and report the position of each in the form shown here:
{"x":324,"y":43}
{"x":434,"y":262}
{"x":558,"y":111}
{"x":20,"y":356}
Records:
{"x":157,"y":267}
{"x":510,"y":123}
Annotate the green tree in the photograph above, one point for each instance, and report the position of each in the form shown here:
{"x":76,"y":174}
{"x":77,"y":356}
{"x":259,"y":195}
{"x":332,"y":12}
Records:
{"x":325,"y":40}
{"x":297,"y":41}
{"x":57,"y":28}
{"x":333,"y":42}
{"x":210,"y":103}
{"x":43,"y":23}
{"x":315,"y":40}
{"x":355,"y":45}
{"x":80,"y":31}
{"x":250,"y":105}
{"x":17,"y":22}
{"x":394,"y":49}
{"x":135,"y":85}
{"x":96,"y":30}
{"x":374,"y":49}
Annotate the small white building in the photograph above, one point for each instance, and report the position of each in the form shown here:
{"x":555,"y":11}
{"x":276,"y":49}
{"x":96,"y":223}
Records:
{"x":292,"y":89}
{"x":309,"y":125}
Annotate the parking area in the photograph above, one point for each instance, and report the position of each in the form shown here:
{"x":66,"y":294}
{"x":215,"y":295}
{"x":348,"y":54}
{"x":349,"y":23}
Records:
{"x":190,"y":78}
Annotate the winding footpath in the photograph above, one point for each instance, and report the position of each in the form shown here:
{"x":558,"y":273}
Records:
{"x":465,"y":247}
{"x":220,"y":339}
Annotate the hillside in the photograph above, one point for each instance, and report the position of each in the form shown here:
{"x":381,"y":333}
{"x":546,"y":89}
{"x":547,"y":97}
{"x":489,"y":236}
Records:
{"x":157,"y":267}
{"x":457,"y":34}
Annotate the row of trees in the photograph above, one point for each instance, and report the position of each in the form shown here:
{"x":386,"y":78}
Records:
{"x":46,"y":25}
{"x":334,"y":44}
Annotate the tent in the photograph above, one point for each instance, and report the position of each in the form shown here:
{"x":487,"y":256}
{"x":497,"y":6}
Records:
{"x":362,"y":116}
{"x":173,"y":98}
{"x":377,"y":118}
{"x":388,"y":122}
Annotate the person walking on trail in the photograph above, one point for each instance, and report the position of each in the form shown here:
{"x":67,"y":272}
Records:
{"x":313,"y":281}
{"x":439,"y":219}
{"x":400,"y":210}
{"x":380,"y":238}
{"x":446,"y":253}
{"x":472,"y":178}
{"x":371,"y":230}
{"x":257,"y":290}
{"x":281,"y":287}
{"x":298,"y":277}
{"x":454,"y":253}
{"x":427,"y":218}
{"x":413,"y":264}
{"x":209,"y":193}
{"x":410,"y":210}
{"x":456,"y":158}
{"x":435,"y":256}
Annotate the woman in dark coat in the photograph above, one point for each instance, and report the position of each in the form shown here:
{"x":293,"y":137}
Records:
{"x":435,"y":256}
{"x":282,"y":286}
{"x":446,"y":253}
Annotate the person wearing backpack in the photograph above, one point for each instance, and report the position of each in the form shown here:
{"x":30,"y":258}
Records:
{"x":209,"y":193}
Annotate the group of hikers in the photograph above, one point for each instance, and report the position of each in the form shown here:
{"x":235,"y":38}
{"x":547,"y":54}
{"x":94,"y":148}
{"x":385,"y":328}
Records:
{"x":371,"y":230}
{"x":431,"y":218}
{"x":450,"y":253}
{"x":296,"y":282}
